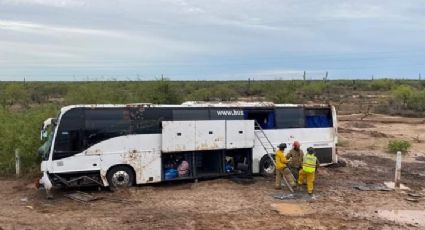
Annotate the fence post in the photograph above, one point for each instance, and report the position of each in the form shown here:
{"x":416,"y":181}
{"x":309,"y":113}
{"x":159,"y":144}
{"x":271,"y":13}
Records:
{"x":397,"y":171}
{"x":17,"y":163}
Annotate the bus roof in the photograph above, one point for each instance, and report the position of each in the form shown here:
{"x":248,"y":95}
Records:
{"x":200,"y":104}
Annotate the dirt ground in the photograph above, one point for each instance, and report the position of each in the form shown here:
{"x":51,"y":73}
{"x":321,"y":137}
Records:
{"x":226,"y":204}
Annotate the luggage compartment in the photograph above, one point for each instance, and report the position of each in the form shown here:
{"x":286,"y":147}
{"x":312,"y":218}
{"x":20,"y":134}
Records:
{"x":204,"y":164}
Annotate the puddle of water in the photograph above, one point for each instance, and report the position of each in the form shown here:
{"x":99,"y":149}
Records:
{"x":390,"y":184}
{"x":415,"y":217}
{"x":290,"y":209}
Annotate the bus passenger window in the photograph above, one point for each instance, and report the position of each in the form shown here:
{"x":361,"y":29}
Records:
{"x":150,"y":120}
{"x":318,"y":118}
{"x":102,"y":124}
{"x":264,"y":118}
{"x":290,"y":117}
{"x":69,"y":139}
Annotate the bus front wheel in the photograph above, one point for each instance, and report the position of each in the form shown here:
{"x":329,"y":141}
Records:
{"x":267,"y":167}
{"x":120,"y":177}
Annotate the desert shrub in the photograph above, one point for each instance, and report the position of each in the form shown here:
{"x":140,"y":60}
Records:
{"x":402,"y":94}
{"x":416,"y":101}
{"x":314,"y":89}
{"x":398,"y":145}
{"x":382,"y":84}
{"x":22,"y":131}
{"x":407,"y":97}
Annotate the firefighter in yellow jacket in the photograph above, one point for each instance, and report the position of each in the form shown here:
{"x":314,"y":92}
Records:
{"x":308,"y":170}
{"x":281,"y":169}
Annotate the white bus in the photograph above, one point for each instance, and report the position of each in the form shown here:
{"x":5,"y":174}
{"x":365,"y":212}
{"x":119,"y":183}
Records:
{"x":123,"y":145}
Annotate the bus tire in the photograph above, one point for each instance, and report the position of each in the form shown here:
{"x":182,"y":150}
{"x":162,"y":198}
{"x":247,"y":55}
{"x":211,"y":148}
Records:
{"x":120,"y":176}
{"x":267,"y":167}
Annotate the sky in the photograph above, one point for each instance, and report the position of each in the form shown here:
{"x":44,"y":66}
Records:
{"x":210,"y":39}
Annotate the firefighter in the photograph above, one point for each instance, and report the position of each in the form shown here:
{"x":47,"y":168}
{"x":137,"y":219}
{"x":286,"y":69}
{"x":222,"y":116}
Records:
{"x":295,"y":157}
{"x":281,"y":169}
{"x":308,"y":171}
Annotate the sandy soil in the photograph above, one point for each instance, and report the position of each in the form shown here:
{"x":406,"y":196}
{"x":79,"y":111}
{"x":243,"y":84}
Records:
{"x":225,"y":204}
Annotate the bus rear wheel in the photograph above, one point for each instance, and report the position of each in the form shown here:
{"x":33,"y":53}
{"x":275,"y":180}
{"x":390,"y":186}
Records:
{"x":120,"y":177}
{"x":267,"y":167}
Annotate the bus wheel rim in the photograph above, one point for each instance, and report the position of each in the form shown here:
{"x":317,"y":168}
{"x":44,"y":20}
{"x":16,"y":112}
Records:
{"x":120,"y":178}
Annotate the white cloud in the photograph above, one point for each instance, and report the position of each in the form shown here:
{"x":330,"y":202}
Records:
{"x":205,"y":37}
{"x":54,"y":3}
{"x":29,"y":27}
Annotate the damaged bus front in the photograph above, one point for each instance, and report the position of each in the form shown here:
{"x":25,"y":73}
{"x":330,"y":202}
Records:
{"x":46,"y":135}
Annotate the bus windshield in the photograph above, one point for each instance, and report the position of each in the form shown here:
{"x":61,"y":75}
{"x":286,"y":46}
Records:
{"x":46,"y":136}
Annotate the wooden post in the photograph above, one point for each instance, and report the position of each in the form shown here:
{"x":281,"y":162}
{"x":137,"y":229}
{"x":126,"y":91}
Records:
{"x":17,"y":163}
{"x":397,"y":171}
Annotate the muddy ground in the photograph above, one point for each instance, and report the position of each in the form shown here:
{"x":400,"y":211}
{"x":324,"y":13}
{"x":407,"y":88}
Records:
{"x":226,"y":204}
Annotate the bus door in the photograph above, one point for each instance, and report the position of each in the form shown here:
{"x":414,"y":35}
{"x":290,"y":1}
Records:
{"x":265,"y":118}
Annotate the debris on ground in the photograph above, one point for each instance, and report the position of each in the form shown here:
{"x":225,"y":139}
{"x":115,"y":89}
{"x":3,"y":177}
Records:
{"x":416,"y":195}
{"x":295,"y":196}
{"x":25,"y":199}
{"x":390,"y":184}
{"x":285,"y":197}
{"x":412,"y":199}
{"x":356,"y":163}
{"x":373,"y":187}
{"x":81,"y":197}
{"x":420,"y":158}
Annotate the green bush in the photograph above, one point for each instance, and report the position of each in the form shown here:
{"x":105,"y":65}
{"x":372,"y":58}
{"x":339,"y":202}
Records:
{"x":382,"y":84}
{"x":403,"y":94}
{"x":22,"y":131}
{"x":398,"y":145}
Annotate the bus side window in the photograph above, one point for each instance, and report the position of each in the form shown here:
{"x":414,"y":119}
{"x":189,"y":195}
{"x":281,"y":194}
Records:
{"x":290,"y":117}
{"x":104,"y":123}
{"x":150,"y":120}
{"x":265,"y":118}
{"x":69,"y":139}
{"x":318,"y":118}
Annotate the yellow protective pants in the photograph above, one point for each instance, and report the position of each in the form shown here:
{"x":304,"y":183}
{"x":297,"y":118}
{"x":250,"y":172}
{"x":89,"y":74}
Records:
{"x":285,"y":172}
{"x":310,"y":180}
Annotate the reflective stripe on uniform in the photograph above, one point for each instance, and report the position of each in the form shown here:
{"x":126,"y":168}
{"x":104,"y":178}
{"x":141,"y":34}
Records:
{"x":309,"y":163}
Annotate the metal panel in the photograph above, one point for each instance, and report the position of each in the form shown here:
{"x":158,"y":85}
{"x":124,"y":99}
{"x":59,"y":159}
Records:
{"x":240,"y":134}
{"x":210,"y":135}
{"x":324,"y":155}
{"x":178,"y":136}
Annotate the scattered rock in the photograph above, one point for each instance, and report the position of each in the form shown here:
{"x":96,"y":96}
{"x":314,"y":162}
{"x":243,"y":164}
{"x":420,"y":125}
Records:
{"x":373,"y":187}
{"x":379,"y":134}
{"x":420,"y":158}
{"x":356,"y":163}
{"x":416,"y":195}
{"x":412,"y":199}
